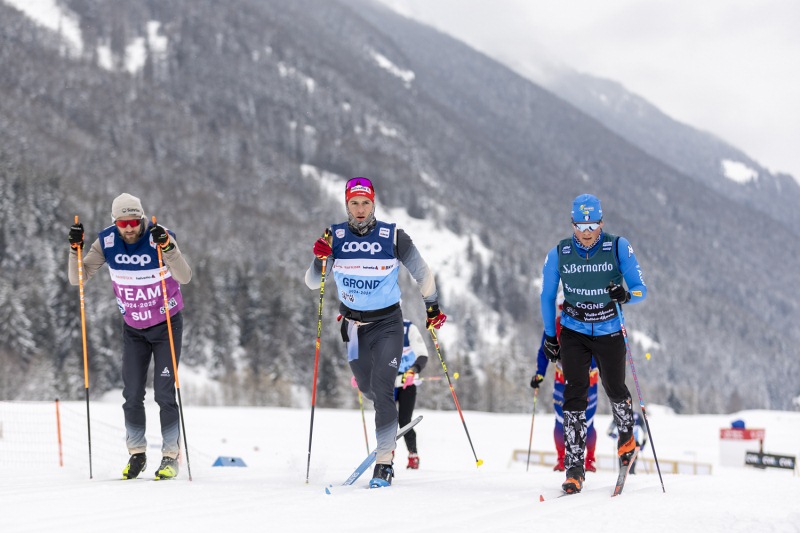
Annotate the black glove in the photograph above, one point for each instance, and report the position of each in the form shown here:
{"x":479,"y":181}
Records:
{"x":76,"y":236}
{"x":551,"y":348}
{"x":536,"y":381}
{"x":161,"y":237}
{"x":618,"y":293}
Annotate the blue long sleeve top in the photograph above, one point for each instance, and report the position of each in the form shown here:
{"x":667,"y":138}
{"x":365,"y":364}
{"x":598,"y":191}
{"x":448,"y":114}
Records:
{"x":631,"y":272}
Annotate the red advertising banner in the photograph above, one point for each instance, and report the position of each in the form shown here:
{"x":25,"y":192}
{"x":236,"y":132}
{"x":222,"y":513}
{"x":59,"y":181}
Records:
{"x":741,"y":434}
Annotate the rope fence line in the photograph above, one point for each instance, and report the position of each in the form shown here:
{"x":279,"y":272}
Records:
{"x":644,"y":465}
{"x":30,"y":432}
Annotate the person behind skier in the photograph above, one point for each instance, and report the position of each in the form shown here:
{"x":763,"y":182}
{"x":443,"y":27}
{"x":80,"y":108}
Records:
{"x":591,"y":265}
{"x":558,"y":402}
{"x":405,"y":391}
{"x":639,"y":434}
{"x":366,"y":255}
{"x":415,"y":357}
{"x":129,"y":248}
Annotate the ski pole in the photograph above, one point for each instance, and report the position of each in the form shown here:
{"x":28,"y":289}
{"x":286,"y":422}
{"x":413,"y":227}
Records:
{"x":58,"y":428}
{"x":316,"y":358}
{"x":436,"y":378}
{"x":363,"y":419}
{"x":478,"y":462}
{"x":530,"y":441}
{"x":639,"y":393}
{"x":85,"y":356}
{"x":172,"y":349}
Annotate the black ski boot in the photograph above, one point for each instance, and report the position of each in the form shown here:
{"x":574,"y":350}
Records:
{"x":381,"y":476}
{"x":136,"y":464}
{"x":574,"y":481}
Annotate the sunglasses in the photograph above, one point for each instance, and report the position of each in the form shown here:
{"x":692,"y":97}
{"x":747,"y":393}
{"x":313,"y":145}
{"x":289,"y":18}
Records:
{"x":355,"y":182}
{"x":125,"y":223}
{"x":583,"y":226}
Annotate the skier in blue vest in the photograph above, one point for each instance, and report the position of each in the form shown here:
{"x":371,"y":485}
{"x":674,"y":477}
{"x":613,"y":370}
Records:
{"x":128,"y":246}
{"x":592,"y":266}
{"x":366,"y":255}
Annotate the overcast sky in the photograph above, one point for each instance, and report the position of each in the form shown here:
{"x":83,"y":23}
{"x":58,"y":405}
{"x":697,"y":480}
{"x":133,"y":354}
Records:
{"x":729,"y":67}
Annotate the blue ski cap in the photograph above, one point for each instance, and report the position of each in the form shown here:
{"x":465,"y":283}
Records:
{"x":586,"y":208}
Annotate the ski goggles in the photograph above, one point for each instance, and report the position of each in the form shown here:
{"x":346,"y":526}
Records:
{"x":359,"y":187}
{"x":358,"y":182}
{"x":584,"y":226}
{"x":125,"y":223}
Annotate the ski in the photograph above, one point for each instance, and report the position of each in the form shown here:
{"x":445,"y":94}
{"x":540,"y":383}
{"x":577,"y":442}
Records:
{"x":559,"y":495}
{"x":374,"y":454}
{"x":360,"y":469}
{"x":623,"y":474}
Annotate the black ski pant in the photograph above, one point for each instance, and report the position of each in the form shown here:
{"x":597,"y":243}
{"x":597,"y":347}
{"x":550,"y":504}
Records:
{"x":139,"y":346}
{"x":380,"y":348}
{"x":576,"y":358}
{"x":406,"y":399}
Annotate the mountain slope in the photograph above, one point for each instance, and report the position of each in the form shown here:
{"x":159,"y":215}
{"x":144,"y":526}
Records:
{"x":237,"y":130}
{"x":697,"y":154}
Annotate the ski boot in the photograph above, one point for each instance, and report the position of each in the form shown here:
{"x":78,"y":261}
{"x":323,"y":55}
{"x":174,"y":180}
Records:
{"x":381,"y":476}
{"x":625,"y":449}
{"x":559,"y":465}
{"x":590,"y":465}
{"x":168,"y":468}
{"x":136,"y":464}
{"x":574,"y":482}
{"x":413,"y":461}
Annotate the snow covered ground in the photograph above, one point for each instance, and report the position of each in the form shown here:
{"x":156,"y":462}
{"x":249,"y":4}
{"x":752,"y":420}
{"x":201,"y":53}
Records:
{"x":448,"y":493}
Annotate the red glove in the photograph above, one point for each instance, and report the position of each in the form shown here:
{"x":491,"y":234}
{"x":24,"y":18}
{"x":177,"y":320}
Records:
{"x":322,"y":248}
{"x":408,"y":378}
{"x":353,"y":382}
{"x":435,"y":317}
